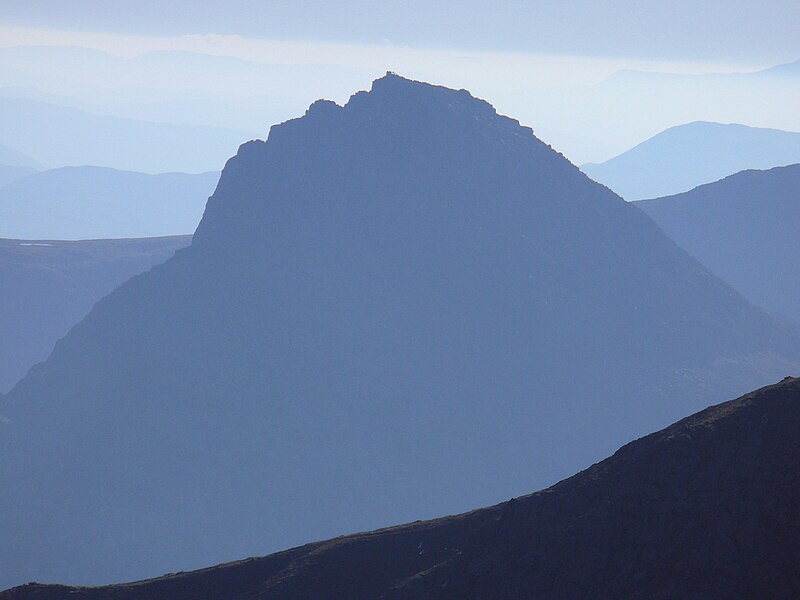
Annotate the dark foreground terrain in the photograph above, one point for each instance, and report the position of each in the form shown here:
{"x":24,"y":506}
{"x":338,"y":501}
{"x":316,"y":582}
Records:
{"x":706,"y":508}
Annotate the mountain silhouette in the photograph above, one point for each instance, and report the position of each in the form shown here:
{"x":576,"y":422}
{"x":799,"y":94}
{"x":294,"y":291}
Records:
{"x":743,"y":228}
{"x":705,"y":508}
{"x":48,"y":286}
{"x":683,"y":157}
{"x":79,"y":203}
{"x":399,"y":308}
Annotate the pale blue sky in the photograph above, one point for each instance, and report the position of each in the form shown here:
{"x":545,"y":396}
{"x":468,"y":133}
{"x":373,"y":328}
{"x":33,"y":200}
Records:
{"x":717,"y":30}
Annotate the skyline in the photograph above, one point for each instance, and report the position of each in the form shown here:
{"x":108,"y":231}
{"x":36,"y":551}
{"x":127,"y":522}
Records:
{"x":591,"y":81}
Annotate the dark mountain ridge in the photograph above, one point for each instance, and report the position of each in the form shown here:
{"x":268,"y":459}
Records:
{"x":383,"y":304}
{"x":706,"y":508}
{"x":743,"y":228}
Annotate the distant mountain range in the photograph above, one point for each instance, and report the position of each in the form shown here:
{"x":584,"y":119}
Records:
{"x":683,"y":157}
{"x":12,"y":158}
{"x":58,"y":136}
{"x":605,"y":117}
{"x":609,"y":117}
{"x":14,"y":165}
{"x":9,"y":174}
{"x":402,"y":307}
{"x":172,"y":86}
{"x":744,"y":228}
{"x":96,"y":202}
{"x":791,"y":70}
{"x":48,"y":286}
{"x":706,"y":508}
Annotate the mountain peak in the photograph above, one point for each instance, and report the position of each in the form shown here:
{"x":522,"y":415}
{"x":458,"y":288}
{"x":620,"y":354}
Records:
{"x":393,"y":82}
{"x":395,"y":97}
{"x":387,"y":300}
{"x":397,"y":86}
{"x":393,"y":78}
{"x":398,"y":127}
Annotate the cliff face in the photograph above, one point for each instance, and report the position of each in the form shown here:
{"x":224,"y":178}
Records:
{"x":403,"y":307}
{"x":706,"y":508}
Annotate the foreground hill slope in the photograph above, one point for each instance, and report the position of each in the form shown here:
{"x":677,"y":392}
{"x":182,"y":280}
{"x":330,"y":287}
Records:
{"x":48,"y":286}
{"x":706,"y":508}
{"x":403,"y":307}
{"x":745,"y":229}
{"x":683,"y":157}
{"x":89,"y":203}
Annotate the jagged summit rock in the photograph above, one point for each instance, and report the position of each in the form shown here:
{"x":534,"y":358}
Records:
{"x":705,"y":508}
{"x":404,"y":307}
{"x":399,"y":137}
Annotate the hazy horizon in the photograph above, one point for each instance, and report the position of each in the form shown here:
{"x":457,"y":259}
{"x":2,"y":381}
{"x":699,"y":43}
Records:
{"x":581,"y":76}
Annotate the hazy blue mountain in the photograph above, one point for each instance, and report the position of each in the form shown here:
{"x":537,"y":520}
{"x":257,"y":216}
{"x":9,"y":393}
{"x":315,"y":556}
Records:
{"x":791,"y":69}
{"x":9,"y":174}
{"x":14,"y":165}
{"x":610,"y":117}
{"x":400,"y":308}
{"x":705,"y":508}
{"x":97,"y":202}
{"x":743,"y":228}
{"x":62,"y":136}
{"x":48,"y":286}
{"x":683,"y":157}
{"x":12,"y":158}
